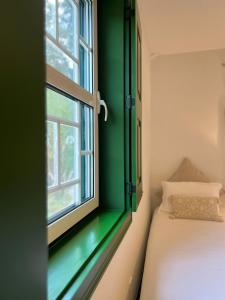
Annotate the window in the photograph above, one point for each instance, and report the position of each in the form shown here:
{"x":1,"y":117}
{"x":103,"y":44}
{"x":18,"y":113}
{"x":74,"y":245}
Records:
{"x":71,"y":106}
{"x":69,"y":39}
{"x":72,"y":274}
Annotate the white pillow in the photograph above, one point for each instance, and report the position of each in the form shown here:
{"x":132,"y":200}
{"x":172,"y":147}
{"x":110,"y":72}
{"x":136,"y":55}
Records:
{"x":197,"y":189}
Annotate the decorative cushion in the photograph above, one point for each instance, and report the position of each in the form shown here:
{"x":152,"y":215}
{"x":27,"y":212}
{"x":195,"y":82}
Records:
{"x":191,"y":189}
{"x":187,"y":171}
{"x":197,"y":208}
{"x":222,"y":200}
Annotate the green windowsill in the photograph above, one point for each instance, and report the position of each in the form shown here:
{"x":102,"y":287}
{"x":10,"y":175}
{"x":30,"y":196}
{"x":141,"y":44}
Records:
{"x":78,"y":260}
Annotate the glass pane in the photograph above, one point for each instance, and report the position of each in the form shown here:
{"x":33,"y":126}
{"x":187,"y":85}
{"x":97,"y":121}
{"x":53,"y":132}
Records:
{"x":52,"y":153}
{"x":86,"y":68}
{"x":50,"y":17}
{"x":86,"y":21}
{"x":87,"y":169}
{"x":68,"y":49}
{"x":68,"y":38}
{"x":69,"y":155}
{"x":90,"y":23}
{"x":86,"y":128}
{"x":61,"y":107}
{"x":83,"y":68}
{"x":90,"y":74}
{"x":83,"y":27}
{"x":63,"y":199}
{"x":60,"y":61}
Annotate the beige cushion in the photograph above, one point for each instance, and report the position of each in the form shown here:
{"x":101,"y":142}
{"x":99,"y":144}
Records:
{"x":197,"y":208}
{"x":191,"y":189}
{"x":222,"y":200}
{"x":188,"y":172}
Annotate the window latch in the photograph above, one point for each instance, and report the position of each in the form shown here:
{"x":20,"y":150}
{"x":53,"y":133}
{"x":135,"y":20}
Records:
{"x":102,"y":103}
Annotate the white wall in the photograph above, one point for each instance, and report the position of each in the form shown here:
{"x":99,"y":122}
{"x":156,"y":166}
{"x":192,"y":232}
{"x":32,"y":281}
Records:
{"x":187,"y":114}
{"x":176,"y":26}
{"x":122,"y":277}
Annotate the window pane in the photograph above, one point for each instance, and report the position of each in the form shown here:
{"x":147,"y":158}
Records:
{"x":83,"y":68}
{"x":82,"y":19}
{"x":86,"y":68}
{"x":70,"y":147}
{"x":63,"y":199}
{"x":60,"y":61}
{"x":86,"y":21}
{"x":68,"y":38}
{"x":69,"y":155}
{"x":61,"y":107}
{"x":68,"y":49}
{"x":50,"y":19}
{"x":52,"y":153}
{"x":90,"y":23}
{"x":87,"y":169}
{"x":90,"y":71}
{"x":86,"y":128}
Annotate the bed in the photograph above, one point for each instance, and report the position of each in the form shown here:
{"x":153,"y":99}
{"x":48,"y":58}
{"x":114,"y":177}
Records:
{"x":185,"y":260}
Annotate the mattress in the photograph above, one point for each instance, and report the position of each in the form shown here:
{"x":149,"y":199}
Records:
{"x":185,"y":260}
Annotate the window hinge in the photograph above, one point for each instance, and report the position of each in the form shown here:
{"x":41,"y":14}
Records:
{"x":130,"y":12}
{"x":130,"y":101}
{"x":131,"y":188}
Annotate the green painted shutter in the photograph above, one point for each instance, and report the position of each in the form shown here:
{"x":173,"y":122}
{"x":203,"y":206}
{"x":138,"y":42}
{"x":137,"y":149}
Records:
{"x":136,"y":115}
{"x":111,"y":85}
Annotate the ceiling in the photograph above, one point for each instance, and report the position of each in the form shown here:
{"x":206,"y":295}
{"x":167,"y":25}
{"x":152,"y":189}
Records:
{"x":177,"y":26}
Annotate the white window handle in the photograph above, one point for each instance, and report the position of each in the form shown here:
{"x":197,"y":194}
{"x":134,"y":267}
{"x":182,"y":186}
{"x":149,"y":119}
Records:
{"x":102,"y":103}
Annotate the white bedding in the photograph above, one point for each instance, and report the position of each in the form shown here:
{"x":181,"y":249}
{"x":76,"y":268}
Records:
{"x":185,"y":260}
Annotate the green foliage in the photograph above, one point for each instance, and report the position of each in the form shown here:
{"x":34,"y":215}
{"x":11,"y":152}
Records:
{"x":61,"y":107}
{"x":57,"y":201}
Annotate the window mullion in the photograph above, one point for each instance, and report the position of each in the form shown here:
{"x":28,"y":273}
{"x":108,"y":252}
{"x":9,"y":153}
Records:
{"x":86,"y":152}
{"x":63,"y":122}
{"x":63,"y":185}
{"x":85,"y":44}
